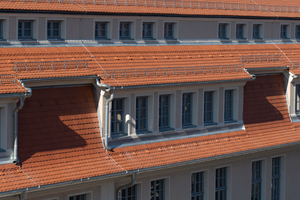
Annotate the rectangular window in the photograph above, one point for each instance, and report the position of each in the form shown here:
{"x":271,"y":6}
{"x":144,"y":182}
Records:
{"x":187,"y":109}
{"x":141,"y":113}
{"x":222,"y":30}
{"x":25,"y":29}
{"x":284,"y":31}
{"x":101,"y":30}
{"x":129,"y":193}
{"x":148,"y":30}
{"x":228,"y":106}
{"x":297,"y":31}
{"x":256,"y":31}
{"x":208,"y":107}
{"x":53,"y":30}
{"x":164,"y":111}
{"x":169,"y":31}
{"x":158,"y":190}
{"x":1,"y":29}
{"x":297,"y":99}
{"x":240,"y":31}
{"x":221,"y":184}
{"x":256,"y":180}
{"x":125,"y":30}
{"x":117,"y":116}
{"x":197,"y":186}
{"x":276,"y":178}
{"x":78,"y":197}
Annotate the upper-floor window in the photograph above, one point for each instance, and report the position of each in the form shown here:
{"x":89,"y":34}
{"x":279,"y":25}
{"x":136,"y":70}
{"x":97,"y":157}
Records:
{"x":221,"y":184}
{"x":256,"y":180}
{"x":256,"y":31}
{"x":1,"y":29}
{"x":53,"y":30}
{"x":141,"y":113}
{"x":197,"y":186}
{"x":101,"y":30}
{"x":297,"y":34}
{"x":208,"y":107}
{"x":187,"y":109}
{"x":284,"y":31}
{"x":125,"y":31}
{"x":78,"y":197}
{"x":276,"y":167}
{"x":297,"y":99}
{"x":117,"y":117}
{"x":228,"y":106}
{"x":169,"y":31}
{"x":164,"y":112}
{"x":240,"y":31}
{"x":25,"y":29}
{"x":147,"y":30}
{"x":223,"y":31}
{"x":157,"y":190}
{"x":129,"y":193}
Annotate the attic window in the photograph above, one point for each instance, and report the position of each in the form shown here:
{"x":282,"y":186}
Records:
{"x":25,"y":29}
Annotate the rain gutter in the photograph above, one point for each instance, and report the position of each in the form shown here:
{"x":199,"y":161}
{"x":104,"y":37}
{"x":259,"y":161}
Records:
{"x":118,"y":193}
{"x":60,"y":78}
{"x":145,"y":170}
{"x":22,"y":99}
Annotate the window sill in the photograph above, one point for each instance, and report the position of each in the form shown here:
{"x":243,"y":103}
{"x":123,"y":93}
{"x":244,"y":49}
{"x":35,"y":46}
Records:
{"x":145,"y":132}
{"x":231,"y":122}
{"x":166,"y":129}
{"x":225,"y":39}
{"x":2,"y":151}
{"x":210,"y":124}
{"x":189,"y":126}
{"x":118,"y":135}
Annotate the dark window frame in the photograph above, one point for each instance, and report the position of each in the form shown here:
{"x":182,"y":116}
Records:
{"x":228,"y":105}
{"x":146,"y":30}
{"x":208,"y":109}
{"x":187,"y":114}
{"x":169,"y":28}
{"x":22,"y":30}
{"x":256,"y":31}
{"x":284,"y":31}
{"x":51,"y":22}
{"x":157,"y":194}
{"x":221,"y":184}
{"x":297,"y":99}
{"x":164,"y":104}
{"x":129,"y":193}
{"x":222,"y":32}
{"x":139,"y":112}
{"x":297,"y":31}
{"x":100,"y":29}
{"x":240,"y":32}
{"x":1,"y":29}
{"x":197,"y":186}
{"x":114,"y":121}
{"x":276,"y":178}
{"x":256,"y":183}
{"x":123,"y":30}
{"x":78,"y":197}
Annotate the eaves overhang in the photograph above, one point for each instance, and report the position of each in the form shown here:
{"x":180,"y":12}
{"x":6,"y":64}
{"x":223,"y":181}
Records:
{"x":12,"y":95}
{"x":150,"y":169}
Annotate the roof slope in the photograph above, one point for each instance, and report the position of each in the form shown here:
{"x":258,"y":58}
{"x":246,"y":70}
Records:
{"x":59,"y":137}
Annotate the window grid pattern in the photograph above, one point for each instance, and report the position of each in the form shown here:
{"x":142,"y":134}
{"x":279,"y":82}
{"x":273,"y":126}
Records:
{"x":101,"y":30}
{"x":25,"y":29}
{"x":256,"y":180}
{"x":158,"y":190}
{"x":208,"y":107}
{"x":240,"y":31}
{"x":276,"y":162}
{"x":187,"y":109}
{"x":117,"y":118}
{"x":125,"y":30}
{"x":169,"y":30}
{"x":222,"y":30}
{"x":297,"y":99}
{"x":1,"y":29}
{"x":256,"y":31}
{"x":197,"y":185}
{"x":284,"y":31}
{"x":78,"y":197}
{"x":148,"y":30}
{"x":221,"y":184}
{"x":129,"y":193}
{"x":297,"y":35}
{"x":228,"y":110}
{"x":141,"y":113}
{"x":164,"y":111}
{"x":53,"y":29}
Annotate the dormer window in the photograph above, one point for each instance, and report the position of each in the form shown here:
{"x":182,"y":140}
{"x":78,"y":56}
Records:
{"x":117,"y":117}
{"x":223,"y":28}
{"x":125,"y":30}
{"x":298,"y":99}
{"x":284,"y":31}
{"x":25,"y":29}
{"x":228,"y":106}
{"x":187,"y":109}
{"x":208,"y":107}
{"x":1,"y":29}
{"x":141,"y":114}
{"x":53,"y":30}
{"x":164,"y":112}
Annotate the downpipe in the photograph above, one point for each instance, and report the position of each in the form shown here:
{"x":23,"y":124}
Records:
{"x":133,"y":178}
{"x":27,"y":94}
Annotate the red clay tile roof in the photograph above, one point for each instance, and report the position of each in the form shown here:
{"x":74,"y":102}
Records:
{"x":59,"y":138}
{"x":10,"y":85}
{"x":238,"y":8}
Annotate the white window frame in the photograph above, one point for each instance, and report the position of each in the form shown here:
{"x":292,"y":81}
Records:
{"x":154,"y":28}
{"x":229,"y":180}
{"x":228,"y":30}
{"x":89,"y":194}
{"x":245,"y":30}
{"x":206,"y":183}
{"x":63,"y":25}
{"x":263,"y":176}
{"x":35,"y":28}
{"x":132,"y":29}
{"x":108,"y":28}
{"x":175,"y":29}
{"x":288,"y":31}
{"x":261,"y":30}
{"x":167,"y":186}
